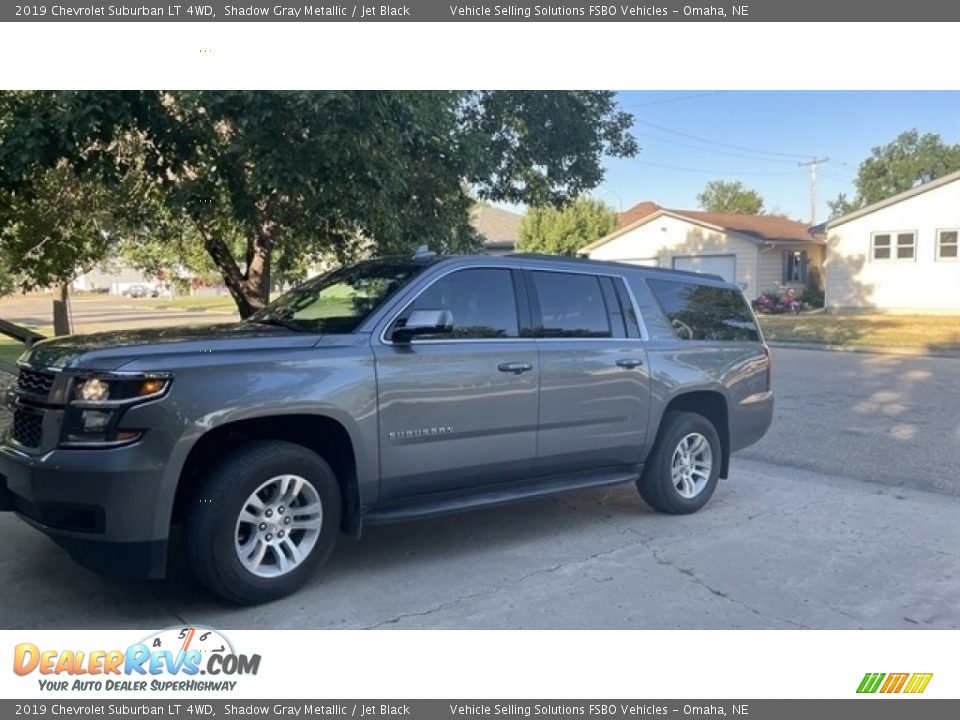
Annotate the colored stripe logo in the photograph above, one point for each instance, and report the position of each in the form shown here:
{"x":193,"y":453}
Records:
{"x":913,"y":683}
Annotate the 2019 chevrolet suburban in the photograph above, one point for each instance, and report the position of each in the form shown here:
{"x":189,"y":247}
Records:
{"x":393,"y":389}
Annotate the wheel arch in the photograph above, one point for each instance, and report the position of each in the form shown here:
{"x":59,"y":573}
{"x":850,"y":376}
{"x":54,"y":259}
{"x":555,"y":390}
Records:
{"x":323,"y":434}
{"x":713,"y":405}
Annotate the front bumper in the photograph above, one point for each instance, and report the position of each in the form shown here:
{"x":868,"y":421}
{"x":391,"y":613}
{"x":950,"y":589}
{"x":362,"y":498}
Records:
{"x":99,"y":505}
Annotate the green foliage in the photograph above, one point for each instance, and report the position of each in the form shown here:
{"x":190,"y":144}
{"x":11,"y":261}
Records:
{"x":910,"y":160}
{"x":268,"y":181}
{"x":730,"y":197}
{"x":8,"y":279}
{"x":564,"y":231}
{"x":812,"y":298}
{"x":841,"y":205}
{"x":60,"y":227}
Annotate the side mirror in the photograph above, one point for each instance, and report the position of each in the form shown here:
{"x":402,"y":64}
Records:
{"x":424,"y":322}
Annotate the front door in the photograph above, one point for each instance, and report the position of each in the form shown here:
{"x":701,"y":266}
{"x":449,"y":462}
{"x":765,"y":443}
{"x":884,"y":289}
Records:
{"x":459,"y":410}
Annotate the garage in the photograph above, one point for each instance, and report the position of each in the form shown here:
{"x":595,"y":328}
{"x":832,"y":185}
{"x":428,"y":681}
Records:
{"x":723,"y":265}
{"x":748,"y":250}
{"x":645,"y":262}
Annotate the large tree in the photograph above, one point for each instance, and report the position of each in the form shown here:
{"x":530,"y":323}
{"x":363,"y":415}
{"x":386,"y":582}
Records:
{"x":730,"y":197}
{"x":563,"y":231}
{"x":909,"y":160}
{"x":57,"y":230}
{"x":299,"y":174}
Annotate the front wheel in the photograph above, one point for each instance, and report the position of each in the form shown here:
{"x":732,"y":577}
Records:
{"x":681,"y":473}
{"x":263,"y":521}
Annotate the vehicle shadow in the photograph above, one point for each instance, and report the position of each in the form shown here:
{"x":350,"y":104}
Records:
{"x":53,"y":591}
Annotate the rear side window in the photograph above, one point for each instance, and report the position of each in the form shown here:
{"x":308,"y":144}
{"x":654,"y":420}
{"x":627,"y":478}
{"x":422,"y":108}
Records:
{"x":702,"y":312}
{"x":571,"y":305}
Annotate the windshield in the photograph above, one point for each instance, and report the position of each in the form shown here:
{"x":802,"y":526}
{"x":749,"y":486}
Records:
{"x":340,"y":301}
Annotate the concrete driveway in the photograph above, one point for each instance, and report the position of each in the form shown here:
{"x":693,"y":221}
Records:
{"x":845,"y":516}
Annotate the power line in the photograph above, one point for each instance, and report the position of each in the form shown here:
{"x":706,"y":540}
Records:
{"x":713,"y":150}
{"x":711,"y":172}
{"x":722,"y":144}
{"x":836,"y":178}
{"x":663,"y":101}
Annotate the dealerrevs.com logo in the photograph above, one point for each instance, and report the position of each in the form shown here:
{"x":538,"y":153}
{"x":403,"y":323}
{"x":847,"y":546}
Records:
{"x":169,"y":660}
{"x":909,"y":683}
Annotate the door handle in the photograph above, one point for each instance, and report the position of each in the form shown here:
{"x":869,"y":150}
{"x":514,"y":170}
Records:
{"x":514,"y":367}
{"x":629,"y":363}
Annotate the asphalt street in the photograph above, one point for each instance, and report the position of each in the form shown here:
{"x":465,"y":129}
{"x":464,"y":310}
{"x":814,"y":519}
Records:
{"x":891,"y":419}
{"x":846,"y":515}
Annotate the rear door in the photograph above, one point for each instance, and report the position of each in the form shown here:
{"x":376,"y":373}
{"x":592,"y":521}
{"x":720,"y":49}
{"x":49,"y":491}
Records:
{"x":460,"y":411}
{"x":594,"y":383}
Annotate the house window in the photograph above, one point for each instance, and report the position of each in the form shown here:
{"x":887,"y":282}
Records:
{"x":795,"y":266}
{"x":894,"y":246}
{"x":947,"y":244}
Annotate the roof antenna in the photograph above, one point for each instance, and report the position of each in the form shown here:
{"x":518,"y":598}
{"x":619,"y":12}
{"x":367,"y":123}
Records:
{"x":423,"y":252}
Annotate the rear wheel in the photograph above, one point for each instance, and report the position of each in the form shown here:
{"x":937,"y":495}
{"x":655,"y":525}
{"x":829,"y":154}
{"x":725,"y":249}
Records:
{"x":263,"y":521}
{"x":681,"y":473}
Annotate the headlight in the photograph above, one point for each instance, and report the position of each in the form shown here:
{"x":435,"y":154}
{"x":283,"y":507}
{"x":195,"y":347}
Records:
{"x":119,"y":390}
{"x":97,"y":404}
{"x":94,"y":390}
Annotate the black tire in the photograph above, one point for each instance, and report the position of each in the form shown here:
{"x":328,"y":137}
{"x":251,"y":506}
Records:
{"x":656,"y":484}
{"x":211,"y":523}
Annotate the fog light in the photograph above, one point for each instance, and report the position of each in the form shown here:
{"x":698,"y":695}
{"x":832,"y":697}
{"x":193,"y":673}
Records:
{"x":95,"y":420}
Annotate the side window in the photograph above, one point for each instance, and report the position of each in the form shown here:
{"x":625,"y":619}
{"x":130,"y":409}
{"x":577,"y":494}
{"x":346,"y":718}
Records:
{"x":571,"y":305}
{"x":702,"y":312}
{"x":482,"y":301}
{"x":947,"y":244}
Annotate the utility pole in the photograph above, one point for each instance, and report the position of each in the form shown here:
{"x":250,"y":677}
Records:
{"x":812,"y":163}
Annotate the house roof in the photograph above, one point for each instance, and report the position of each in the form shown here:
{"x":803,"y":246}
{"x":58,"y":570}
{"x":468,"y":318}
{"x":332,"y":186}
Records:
{"x":499,"y":228}
{"x":894,"y":199}
{"x":637,"y":212}
{"x":756,"y":228}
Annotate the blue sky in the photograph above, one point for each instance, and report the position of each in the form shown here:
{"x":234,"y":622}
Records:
{"x":688,"y":138}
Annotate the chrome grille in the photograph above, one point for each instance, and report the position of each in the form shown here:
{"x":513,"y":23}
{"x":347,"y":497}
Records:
{"x":27,"y":427}
{"x":35,"y":382}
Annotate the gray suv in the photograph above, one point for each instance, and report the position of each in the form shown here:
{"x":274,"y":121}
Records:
{"x":394,"y":389}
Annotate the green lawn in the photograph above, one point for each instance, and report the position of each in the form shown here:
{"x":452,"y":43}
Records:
{"x":10,"y":350}
{"x":224,"y":303}
{"x":914,"y":331}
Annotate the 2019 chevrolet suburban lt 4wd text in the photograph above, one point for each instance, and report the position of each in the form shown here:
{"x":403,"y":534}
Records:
{"x":393,"y":389}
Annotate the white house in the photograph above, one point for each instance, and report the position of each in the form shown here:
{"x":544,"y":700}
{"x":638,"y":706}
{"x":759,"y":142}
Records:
{"x":898,"y":255}
{"x":759,"y":252}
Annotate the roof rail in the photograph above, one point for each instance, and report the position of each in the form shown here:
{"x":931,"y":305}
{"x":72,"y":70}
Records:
{"x":618,"y":263}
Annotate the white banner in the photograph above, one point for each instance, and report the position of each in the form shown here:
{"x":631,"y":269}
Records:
{"x":198,"y":661}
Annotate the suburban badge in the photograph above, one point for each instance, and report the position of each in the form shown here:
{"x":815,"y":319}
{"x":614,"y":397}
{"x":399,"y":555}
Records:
{"x":419,"y":432}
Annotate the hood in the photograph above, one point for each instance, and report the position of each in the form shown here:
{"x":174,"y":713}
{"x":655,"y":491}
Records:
{"x":110,"y":350}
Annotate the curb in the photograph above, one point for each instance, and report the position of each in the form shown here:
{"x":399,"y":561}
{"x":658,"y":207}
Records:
{"x":869,"y":349}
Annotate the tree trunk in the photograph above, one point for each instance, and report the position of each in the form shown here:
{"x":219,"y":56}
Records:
{"x":61,"y":309}
{"x":250,"y":290}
